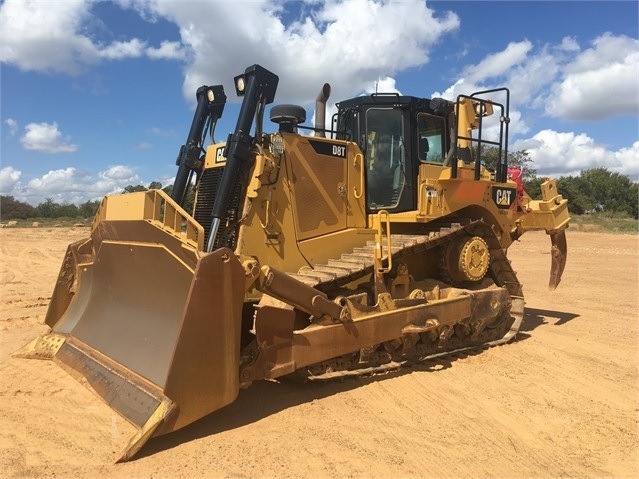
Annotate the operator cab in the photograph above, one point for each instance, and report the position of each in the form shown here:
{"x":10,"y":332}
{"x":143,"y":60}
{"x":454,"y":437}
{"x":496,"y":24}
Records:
{"x":396,"y":134}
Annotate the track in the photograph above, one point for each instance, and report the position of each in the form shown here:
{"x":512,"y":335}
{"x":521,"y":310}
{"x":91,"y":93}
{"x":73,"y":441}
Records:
{"x":358,"y":264}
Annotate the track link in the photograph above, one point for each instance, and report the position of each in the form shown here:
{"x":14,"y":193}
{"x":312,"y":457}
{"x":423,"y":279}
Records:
{"x":391,"y":355}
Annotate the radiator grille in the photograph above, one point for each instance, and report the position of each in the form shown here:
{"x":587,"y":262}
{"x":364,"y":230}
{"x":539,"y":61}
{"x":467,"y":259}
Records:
{"x":206,"y":193}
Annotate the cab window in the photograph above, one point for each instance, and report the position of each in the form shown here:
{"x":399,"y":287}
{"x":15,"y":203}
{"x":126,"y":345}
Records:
{"x":385,"y":154}
{"x":347,"y":126}
{"x":431,"y":147}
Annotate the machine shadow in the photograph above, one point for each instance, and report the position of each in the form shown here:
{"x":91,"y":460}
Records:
{"x":265,"y":398}
{"x":533,"y":318}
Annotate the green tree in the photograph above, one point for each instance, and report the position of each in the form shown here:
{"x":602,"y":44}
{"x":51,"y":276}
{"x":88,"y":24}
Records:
{"x":66,"y":210}
{"x":599,"y":188}
{"x":189,"y":199}
{"x":533,"y":187}
{"x":519,"y":159}
{"x":575,"y":191}
{"x":133,"y":189}
{"x":634,"y":195}
{"x":47,"y":209}
{"x":11,"y":209}
{"x":611,"y":190}
{"x":189,"y":196}
{"x":88,"y":209}
{"x":155,"y":185}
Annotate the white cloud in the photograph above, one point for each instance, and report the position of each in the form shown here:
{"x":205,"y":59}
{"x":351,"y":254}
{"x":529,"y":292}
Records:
{"x":569,"y":44}
{"x":118,"y":50}
{"x":600,"y":82}
{"x":119,"y":173}
{"x":567,"y":154}
{"x":144,"y":145}
{"x":497,"y":64}
{"x":382,"y":85}
{"x":323,"y":45}
{"x":524,"y":70}
{"x":167,"y":50}
{"x":628,"y":158}
{"x":13,"y":126}
{"x":47,"y":138}
{"x":41,"y":35}
{"x":67,"y":185}
{"x":561,"y":80}
{"x":58,"y":180}
{"x":9,"y":179}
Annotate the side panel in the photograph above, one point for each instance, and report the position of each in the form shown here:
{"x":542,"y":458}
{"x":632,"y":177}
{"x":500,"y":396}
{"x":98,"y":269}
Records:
{"x":303,"y":203}
{"x":318,"y":183}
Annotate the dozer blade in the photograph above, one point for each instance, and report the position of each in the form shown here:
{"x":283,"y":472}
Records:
{"x":155,"y":336}
{"x":559,"y":252}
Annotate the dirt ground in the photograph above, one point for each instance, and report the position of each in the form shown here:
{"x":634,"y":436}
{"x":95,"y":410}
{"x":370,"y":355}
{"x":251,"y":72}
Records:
{"x":559,"y":401}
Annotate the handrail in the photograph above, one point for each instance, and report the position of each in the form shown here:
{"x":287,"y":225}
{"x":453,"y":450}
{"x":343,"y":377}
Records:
{"x":359,"y":158}
{"x":379,"y":240}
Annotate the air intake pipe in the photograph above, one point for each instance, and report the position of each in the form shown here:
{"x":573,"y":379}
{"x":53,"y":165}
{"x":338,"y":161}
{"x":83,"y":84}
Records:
{"x":320,"y":110}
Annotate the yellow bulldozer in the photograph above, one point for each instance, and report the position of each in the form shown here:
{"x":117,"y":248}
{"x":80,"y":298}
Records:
{"x":354,"y":249}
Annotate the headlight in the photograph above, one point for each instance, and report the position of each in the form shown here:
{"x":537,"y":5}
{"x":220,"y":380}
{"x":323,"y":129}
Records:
{"x":240,"y":85}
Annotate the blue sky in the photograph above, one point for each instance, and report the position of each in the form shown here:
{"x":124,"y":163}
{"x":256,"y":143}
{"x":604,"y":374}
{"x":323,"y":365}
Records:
{"x":98,"y":95}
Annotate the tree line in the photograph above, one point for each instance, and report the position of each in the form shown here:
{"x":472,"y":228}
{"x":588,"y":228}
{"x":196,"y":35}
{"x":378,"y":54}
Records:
{"x":594,"y":190}
{"x":12,"y":209}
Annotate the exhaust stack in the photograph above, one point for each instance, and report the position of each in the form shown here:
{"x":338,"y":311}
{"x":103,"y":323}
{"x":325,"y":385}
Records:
{"x":320,"y":110}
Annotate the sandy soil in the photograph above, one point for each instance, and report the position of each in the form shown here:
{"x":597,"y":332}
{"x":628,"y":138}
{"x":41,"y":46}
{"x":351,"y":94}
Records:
{"x":561,"y":400}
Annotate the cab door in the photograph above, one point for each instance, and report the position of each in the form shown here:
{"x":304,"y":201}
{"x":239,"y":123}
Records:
{"x":389,"y":176}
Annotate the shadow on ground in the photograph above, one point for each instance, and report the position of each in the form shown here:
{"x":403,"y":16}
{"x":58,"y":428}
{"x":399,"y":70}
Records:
{"x":265,"y":398}
{"x":533,"y":318}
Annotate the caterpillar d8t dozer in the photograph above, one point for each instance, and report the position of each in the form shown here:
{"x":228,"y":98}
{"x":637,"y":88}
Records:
{"x":349,"y":250}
